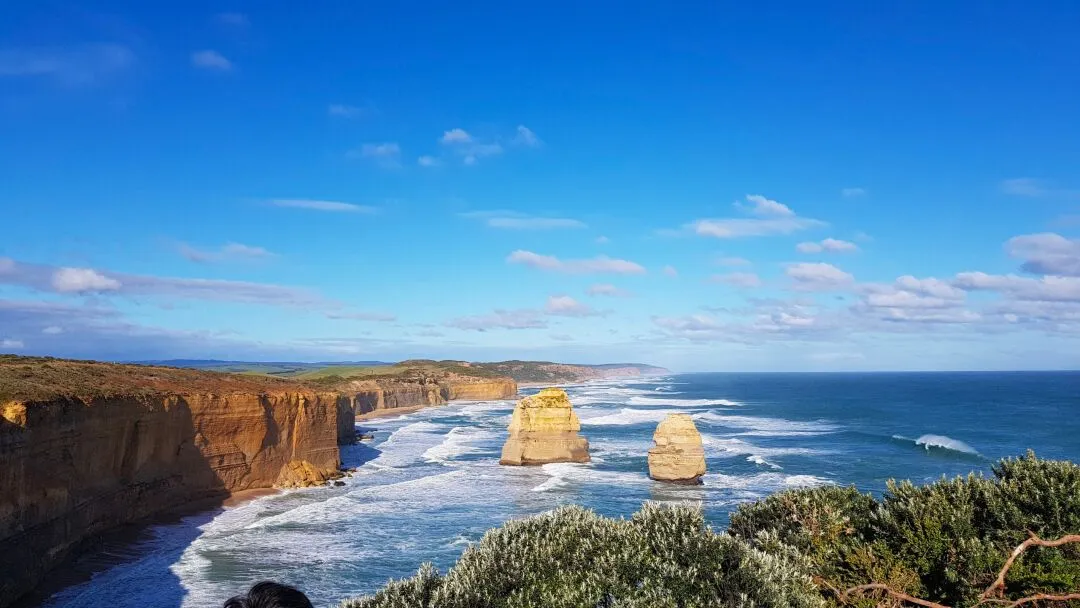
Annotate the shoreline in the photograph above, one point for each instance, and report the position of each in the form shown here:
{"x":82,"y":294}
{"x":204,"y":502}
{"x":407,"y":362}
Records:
{"x":124,"y":543}
{"x":394,"y":411}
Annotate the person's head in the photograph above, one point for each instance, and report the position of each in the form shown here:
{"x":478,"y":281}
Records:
{"x":268,"y":594}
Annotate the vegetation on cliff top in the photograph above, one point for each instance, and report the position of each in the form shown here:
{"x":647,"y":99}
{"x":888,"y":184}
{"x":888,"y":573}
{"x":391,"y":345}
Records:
{"x":41,"y":378}
{"x":944,"y":544}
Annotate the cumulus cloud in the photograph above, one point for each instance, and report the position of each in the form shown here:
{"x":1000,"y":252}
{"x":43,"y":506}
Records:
{"x":598,"y":265}
{"x":66,"y":280}
{"x":565,"y":306}
{"x":211,"y":60}
{"x":428,"y":161}
{"x":317,"y":205}
{"x":82,"y":280}
{"x":772,"y":218}
{"x":1047,"y":289}
{"x":608,"y":290}
{"x":745,"y":280}
{"x":602,"y":240}
{"x":225,"y":253}
{"x":1046,"y":253}
{"x":818,"y":276}
{"x":852,"y":192}
{"x":764,"y":207}
{"x":1024,"y":186}
{"x":830,"y":245}
{"x":53,"y":330}
{"x":456,"y":136}
{"x":500,"y":319}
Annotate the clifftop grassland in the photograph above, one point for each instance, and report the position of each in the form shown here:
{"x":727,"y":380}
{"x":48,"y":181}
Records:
{"x":44,"y":378}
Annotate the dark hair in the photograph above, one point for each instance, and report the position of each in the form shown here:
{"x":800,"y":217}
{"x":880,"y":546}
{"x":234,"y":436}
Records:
{"x":268,"y":594}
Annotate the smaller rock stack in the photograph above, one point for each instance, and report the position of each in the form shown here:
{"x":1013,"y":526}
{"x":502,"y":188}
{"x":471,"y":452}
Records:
{"x":544,"y":429}
{"x":678,"y":455}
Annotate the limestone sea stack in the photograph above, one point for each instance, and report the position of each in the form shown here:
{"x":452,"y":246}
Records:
{"x":544,"y":429}
{"x":678,"y":455}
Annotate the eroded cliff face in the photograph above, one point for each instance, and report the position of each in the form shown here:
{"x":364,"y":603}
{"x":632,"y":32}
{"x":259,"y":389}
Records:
{"x":370,"y":396}
{"x":543,"y":429}
{"x":71,"y":468}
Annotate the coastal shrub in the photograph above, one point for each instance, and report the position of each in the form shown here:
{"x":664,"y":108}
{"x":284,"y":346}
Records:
{"x":944,"y":541}
{"x":573,"y":558}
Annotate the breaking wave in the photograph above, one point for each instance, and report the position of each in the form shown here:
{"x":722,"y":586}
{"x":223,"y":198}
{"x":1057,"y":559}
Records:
{"x":940,"y":442}
{"x":682,"y":402}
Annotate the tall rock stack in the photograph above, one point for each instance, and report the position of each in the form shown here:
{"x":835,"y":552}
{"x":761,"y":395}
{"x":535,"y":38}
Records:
{"x":544,"y":429}
{"x":678,"y":455}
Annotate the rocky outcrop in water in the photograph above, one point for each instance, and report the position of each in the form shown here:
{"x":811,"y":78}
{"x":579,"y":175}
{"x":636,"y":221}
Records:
{"x":678,"y":455}
{"x":544,"y":429}
{"x":111,"y":444}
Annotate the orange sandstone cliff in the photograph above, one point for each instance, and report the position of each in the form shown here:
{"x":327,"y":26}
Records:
{"x":378,"y":395}
{"x":88,"y":446}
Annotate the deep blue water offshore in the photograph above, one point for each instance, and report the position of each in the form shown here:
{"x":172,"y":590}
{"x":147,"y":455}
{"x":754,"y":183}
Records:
{"x":430,"y":484}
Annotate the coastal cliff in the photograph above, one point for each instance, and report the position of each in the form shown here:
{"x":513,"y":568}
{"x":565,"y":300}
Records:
{"x":371,"y":396}
{"x":113,"y":444}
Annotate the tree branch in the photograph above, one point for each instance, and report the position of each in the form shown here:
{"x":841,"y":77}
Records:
{"x":995,"y":592}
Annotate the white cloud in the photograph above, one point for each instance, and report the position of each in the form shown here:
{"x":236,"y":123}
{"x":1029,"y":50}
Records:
{"x":6,"y":265}
{"x":852,"y":192}
{"x":228,"y":252}
{"x":772,"y":218}
{"x":818,"y":277}
{"x":670,"y":271}
{"x":82,"y":280}
{"x":737,"y":279}
{"x":84,"y":65}
{"x":602,"y":240}
{"x":1024,"y":186}
{"x":428,"y":161}
{"x":765,"y":207}
{"x":1046,"y":253}
{"x":1047,"y":289}
{"x":12,"y":344}
{"x":456,"y":136}
{"x":386,"y":154}
{"x":526,"y":137}
{"x":211,"y":60}
{"x":930,"y":287}
{"x":609,"y":290}
{"x":317,"y":205}
{"x":342,"y":110}
{"x":827,"y":245}
{"x":562,"y":337}
{"x":53,"y":330}
{"x":515,"y":220}
{"x":500,"y":319}
{"x":597,"y":265}
{"x":733,"y":261}
{"x":565,"y":306}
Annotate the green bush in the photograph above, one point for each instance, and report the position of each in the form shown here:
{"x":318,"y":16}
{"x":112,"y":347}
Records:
{"x":571,"y":558}
{"x":944,"y":542}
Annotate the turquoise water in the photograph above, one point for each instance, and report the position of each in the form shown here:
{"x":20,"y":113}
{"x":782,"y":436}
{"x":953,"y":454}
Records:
{"x":429,"y":484}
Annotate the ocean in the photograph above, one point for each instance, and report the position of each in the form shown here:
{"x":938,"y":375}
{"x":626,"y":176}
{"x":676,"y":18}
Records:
{"x":429,"y":484}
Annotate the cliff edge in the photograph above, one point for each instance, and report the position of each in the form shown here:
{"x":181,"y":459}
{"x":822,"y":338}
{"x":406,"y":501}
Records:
{"x":88,"y":446}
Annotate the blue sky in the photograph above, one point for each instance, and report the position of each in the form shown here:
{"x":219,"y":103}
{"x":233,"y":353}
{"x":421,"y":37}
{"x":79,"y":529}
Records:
{"x":771,"y":186}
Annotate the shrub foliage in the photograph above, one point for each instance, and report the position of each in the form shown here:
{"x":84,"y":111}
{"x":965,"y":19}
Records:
{"x":944,"y":542}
